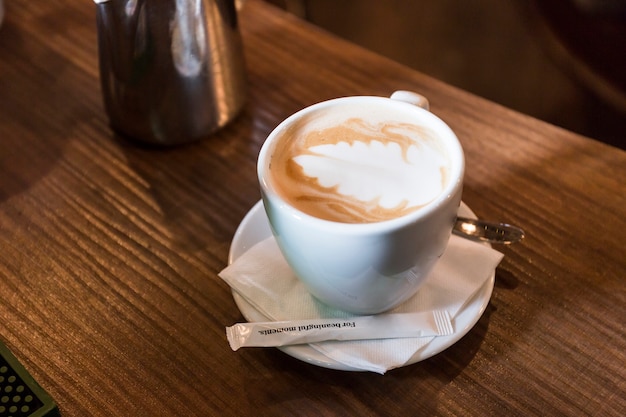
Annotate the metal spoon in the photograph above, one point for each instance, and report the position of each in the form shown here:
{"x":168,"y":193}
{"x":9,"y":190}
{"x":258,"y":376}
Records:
{"x":487,"y":231}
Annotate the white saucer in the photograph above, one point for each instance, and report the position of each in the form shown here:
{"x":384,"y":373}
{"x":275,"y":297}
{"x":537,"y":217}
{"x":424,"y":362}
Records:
{"x":255,"y":227}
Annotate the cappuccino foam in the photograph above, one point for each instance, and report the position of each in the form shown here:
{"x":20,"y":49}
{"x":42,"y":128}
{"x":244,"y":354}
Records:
{"x":357,"y":165}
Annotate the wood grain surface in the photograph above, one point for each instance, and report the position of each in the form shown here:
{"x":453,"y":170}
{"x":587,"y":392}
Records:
{"x":109,"y":251}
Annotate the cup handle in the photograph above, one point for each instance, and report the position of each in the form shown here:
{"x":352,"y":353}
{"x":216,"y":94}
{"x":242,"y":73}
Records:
{"x":411,"y":98}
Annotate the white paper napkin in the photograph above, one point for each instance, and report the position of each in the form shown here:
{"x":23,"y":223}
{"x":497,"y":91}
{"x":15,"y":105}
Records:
{"x":263,"y":278}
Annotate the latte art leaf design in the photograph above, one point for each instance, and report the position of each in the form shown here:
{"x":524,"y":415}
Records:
{"x":337,"y":166}
{"x":374,"y":171}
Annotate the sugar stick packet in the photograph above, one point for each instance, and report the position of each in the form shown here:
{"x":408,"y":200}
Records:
{"x":382,"y":326}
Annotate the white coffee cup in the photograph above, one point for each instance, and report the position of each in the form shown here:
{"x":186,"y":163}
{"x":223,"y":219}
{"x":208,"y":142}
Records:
{"x":364,"y":262}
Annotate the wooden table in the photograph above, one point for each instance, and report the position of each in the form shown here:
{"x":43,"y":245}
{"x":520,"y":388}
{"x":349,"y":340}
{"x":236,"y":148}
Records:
{"x":109,"y":256}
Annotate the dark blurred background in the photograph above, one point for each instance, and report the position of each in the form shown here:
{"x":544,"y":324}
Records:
{"x":562,"y":61}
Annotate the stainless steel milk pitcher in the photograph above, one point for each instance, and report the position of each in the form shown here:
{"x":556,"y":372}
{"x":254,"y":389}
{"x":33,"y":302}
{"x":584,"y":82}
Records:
{"x":172,"y":71}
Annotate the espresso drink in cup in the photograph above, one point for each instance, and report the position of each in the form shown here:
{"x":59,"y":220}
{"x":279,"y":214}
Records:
{"x":352,"y":164}
{"x":361,"y":194}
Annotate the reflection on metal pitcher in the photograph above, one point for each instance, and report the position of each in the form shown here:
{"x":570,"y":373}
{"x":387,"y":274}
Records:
{"x":172,"y":71}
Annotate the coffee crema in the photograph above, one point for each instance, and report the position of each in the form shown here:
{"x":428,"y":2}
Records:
{"x":358,"y":170}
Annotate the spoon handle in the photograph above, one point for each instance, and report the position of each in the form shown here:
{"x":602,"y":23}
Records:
{"x":487,"y":231}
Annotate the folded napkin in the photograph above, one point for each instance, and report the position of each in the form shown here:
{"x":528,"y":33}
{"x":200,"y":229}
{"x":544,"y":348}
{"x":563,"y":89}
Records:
{"x":263,"y":278}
